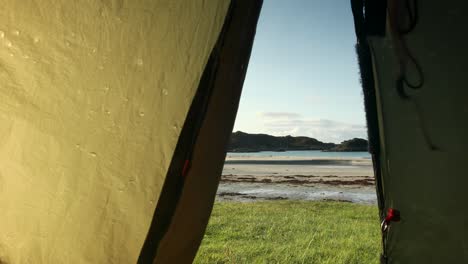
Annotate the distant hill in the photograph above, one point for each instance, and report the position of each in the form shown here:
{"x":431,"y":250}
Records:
{"x":244,"y":142}
{"x":355,"y":144}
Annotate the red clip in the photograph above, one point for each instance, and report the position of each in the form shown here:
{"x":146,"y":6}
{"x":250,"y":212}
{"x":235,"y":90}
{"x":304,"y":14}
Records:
{"x":393,"y":215}
{"x":186,"y":168}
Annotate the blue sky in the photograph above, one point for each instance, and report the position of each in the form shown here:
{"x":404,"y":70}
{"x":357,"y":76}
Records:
{"x":303,"y":77}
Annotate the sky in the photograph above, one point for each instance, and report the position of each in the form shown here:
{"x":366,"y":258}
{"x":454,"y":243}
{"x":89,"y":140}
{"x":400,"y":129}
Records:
{"x":303,"y":76}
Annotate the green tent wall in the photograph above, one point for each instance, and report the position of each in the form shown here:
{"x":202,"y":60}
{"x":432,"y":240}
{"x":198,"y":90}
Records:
{"x":413,"y":67}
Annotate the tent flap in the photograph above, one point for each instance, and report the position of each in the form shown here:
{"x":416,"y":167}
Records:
{"x":93,"y":97}
{"x":419,"y":72}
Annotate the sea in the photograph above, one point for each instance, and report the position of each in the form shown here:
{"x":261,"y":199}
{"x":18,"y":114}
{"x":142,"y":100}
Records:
{"x":301,"y":153}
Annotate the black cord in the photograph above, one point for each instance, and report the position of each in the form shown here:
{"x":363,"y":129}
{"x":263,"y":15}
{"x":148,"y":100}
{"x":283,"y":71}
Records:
{"x":403,"y":81}
{"x":413,"y":16}
{"x":412,"y":11}
{"x":419,"y":84}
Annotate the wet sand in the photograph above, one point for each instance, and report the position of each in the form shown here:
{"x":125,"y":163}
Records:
{"x":297,"y":178}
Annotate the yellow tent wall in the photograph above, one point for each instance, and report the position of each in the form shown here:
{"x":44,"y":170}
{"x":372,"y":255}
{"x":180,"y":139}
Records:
{"x":93,"y":95}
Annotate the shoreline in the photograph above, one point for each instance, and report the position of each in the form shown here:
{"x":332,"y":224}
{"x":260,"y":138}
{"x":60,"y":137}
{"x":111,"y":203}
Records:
{"x":306,"y":180}
{"x":297,"y":160}
{"x":256,"y":178}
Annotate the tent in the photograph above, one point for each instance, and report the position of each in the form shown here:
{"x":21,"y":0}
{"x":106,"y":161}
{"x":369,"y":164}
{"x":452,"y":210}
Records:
{"x":115,"y":116}
{"x":106,"y":111}
{"x":412,"y":57}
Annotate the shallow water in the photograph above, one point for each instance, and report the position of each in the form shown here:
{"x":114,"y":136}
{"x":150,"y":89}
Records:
{"x":301,"y":153}
{"x":247,"y":192}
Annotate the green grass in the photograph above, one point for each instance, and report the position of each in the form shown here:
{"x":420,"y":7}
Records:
{"x":291,"y":232}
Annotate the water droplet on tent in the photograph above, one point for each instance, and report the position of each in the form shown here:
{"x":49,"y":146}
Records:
{"x":108,"y":112}
{"x":36,"y":40}
{"x":16,"y":32}
{"x":8,"y":44}
{"x":106,"y":88}
{"x":94,"y":50}
{"x":126,"y":99}
{"x":139,"y":62}
{"x":93,"y":154}
{"x":26,"y":56}
{"x":78,"y":146}
{"x":142,"y":113}
{"x":2,"y":34}
{"x":165,"y":92}
{"x":67,"y":44}
{"x":12,"y":55}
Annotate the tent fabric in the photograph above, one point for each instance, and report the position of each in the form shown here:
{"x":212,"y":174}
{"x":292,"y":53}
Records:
{"x":367,"y":80}
{"x":93,"y":97}
{"x":182,"y":239}
{"x":423,"y":134}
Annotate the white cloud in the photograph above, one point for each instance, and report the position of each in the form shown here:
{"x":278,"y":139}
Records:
{"x":285,"y":123}
{"x":278,"y":115}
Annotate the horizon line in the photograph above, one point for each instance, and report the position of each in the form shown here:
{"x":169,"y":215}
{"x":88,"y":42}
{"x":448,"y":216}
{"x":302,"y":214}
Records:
{"x":295,"y":136}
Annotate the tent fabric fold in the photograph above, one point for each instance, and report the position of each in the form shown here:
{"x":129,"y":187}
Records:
{"x":182,"y":239}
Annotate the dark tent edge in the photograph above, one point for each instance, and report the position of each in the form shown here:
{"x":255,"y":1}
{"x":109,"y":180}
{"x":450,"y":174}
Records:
{"x":234,"y":44}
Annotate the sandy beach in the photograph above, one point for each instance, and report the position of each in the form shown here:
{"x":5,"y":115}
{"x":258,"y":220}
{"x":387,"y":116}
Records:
{"x":249,"y":178}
